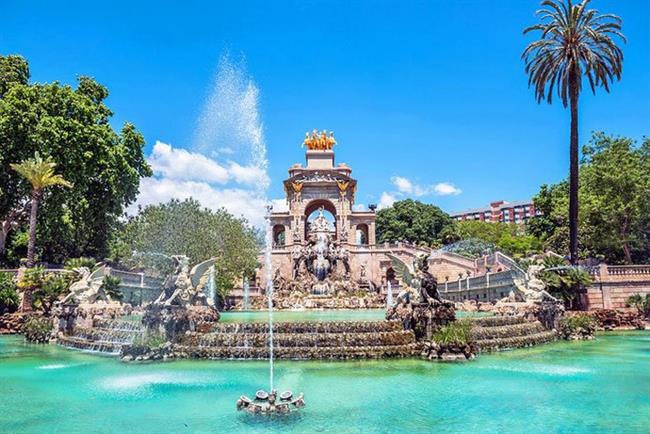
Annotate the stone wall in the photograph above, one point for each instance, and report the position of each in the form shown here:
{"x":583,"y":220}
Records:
{"x":614,"y":284}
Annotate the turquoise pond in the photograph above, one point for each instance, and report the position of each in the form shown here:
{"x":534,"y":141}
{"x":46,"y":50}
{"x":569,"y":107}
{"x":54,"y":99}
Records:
{"x":596,"y":386}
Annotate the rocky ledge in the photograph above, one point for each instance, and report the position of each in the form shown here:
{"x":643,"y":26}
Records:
{"x":455,"y":352}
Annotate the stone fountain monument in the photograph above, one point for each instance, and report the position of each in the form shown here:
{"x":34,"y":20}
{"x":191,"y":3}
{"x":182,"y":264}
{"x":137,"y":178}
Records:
{"x":419,"y":306}
{"x":183,"y":304}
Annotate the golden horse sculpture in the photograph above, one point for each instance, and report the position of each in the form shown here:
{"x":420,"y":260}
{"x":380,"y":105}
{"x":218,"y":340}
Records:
{"x":322,"y":141}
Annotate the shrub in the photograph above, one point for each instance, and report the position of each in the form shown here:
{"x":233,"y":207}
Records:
{"x":149,"y":340}
{"x":31,"y":279}
{"x":642,"y":304}
{"x":72,"y":263}
{"x":37,"y":329}
{"x":51,"y":288}
{"x":454,"y":333}
{"x":9,"y":299}
{"x":111,"y":287}
{"x":578,"y":326}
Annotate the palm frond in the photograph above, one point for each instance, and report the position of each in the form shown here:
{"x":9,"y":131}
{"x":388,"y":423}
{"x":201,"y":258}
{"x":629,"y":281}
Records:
{"x":573,"y":40}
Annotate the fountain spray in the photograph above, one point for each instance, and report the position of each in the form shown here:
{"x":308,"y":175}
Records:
{"x":269,"y":288}
{"x":389,"y":295}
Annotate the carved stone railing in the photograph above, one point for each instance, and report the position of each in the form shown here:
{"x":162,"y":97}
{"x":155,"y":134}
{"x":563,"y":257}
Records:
{"x":628,"y":270}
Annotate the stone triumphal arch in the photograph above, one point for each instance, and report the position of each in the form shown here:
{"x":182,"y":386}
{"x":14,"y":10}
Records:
{"x":320,"y":261}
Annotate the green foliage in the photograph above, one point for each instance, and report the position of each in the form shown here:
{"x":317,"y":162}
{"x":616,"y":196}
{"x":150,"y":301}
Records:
{"x":31,"y":279}
{"x":509,"y":238}
{"x":9,"y":299}
{"x":37,"y":329}
{"x":13,"y":70}
{"x":614,"y":220}
{"x":111,"y":285}
{"x":415,"y":222}
{"x":50,"y":289}
{"x":149,"y":340}
{"x":582,"y":323}
{"x":565,"y":282}
{"x":72,"y":127}
{"x":185,"y":228}
{"x":641,"y":303}
{"x":72,"y":263}
{"x":454,"y":333}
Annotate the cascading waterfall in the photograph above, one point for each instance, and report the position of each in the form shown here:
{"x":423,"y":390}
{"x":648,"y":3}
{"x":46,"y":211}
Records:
{"x":389,"y":294}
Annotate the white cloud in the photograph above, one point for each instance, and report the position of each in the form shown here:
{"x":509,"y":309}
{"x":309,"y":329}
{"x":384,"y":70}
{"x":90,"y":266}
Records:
{"x":405,"y":187}
{"x":359,"y":207}
{"x":184,"y":165}
{"x":446,"y":189}
{"x":252,"y":175}
{"x":239,"y":202}
{"x":181,"y":174}
{"x":386,"y":200}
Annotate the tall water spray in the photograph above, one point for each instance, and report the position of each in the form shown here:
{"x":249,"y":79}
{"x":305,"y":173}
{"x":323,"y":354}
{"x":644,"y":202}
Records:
{"x":212,"y":285}
{"x":247,"y":294}
{"x":269,"y":289}
{"x":389,"y":294}
{"x":230,"y":125}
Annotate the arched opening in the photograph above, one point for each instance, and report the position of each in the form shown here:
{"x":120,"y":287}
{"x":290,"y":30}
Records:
{"x":361,"y":236}
{"x":279,"y":236}
{"x":313,"y":211}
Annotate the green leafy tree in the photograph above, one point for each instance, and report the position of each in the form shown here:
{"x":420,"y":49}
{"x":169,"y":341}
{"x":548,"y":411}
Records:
{"x":185,"y":228}
{"x":509,"y":238}
{"x":70,"y":125}
{"x":13,"y":70}
{"x":415,"y":222}
{"x":615,"y":203}
{"x":615,"y":183}
{"x":575,"y":42}
{"x":40,"y":174}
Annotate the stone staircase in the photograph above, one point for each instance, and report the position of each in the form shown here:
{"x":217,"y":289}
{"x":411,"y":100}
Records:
{"x":107,"y":336}
{"x":501,"y":333}
{"x":308,"y":340}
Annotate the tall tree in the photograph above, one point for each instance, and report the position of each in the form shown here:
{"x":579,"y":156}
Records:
{"x":575,"y":42}
{"x":40,"y":174}
{"x":413,"y":221}
{"x":186,"y":228}
{"x":614,"y":203}
{"x":71,"y":125}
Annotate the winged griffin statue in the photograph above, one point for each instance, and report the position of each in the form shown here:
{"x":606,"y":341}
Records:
{"x":185,"y":287}
{"x":420,"y":284}
{"x":88,"y":289}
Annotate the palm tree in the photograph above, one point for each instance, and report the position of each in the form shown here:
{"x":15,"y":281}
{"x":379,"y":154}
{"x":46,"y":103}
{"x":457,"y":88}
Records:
{"x":39,"y":173}
{"x":574,"y":42}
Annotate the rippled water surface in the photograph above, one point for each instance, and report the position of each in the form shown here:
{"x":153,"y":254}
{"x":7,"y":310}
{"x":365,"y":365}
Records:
{"x":597,"y":386}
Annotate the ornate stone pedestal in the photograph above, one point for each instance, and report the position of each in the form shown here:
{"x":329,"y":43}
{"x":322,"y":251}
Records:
{"x":423,"y":318}
{"x":173,"y":321}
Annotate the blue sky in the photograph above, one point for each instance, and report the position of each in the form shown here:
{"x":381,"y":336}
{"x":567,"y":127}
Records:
{"x":431,"y":92}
